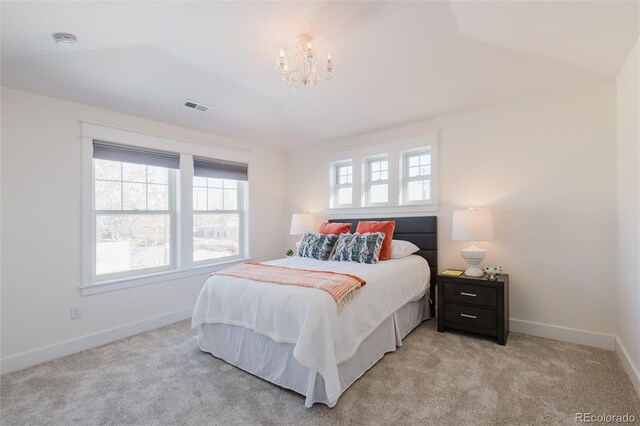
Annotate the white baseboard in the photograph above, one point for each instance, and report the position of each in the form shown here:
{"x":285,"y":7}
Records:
{"x":628,"y":364}
{"x":68,"y":347}
{"x":564,"y":334}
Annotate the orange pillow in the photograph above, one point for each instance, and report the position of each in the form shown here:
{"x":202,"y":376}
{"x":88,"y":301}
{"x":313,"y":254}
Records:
{"x":327,"y":228}
{"x":386,"y":227}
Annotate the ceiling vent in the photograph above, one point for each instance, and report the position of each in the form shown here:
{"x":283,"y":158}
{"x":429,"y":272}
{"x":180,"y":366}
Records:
{"x":65,"y":38}
{"x":194,"y":105}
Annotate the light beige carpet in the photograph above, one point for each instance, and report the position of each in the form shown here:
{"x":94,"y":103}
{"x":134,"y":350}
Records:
{"x":161,"y":377}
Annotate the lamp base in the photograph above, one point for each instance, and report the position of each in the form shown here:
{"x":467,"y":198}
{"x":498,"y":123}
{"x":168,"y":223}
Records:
{"x":473,"y":255}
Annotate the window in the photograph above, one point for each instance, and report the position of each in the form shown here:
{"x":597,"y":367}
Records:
{"x":134,"y":211}
{"x":385,"y":177}
{"x":417,"y":177}
{"x":150,"y":215}
{"x":217,"y":209}
{"x":216,"y":218}
{"x":377,"y":181}
{"x":343,"y":186}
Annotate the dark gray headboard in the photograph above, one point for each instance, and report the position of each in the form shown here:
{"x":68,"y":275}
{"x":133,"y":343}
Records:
{"x":421,"y":231}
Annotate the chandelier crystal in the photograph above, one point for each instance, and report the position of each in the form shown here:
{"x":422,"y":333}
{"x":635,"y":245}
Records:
{"x":303,"y":68}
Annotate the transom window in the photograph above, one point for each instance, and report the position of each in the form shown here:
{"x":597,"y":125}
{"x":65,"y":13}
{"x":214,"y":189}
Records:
{"x":377,"y":181}
{"x":378,"y":177}
{"x":417,"y":177}
{"x":343,"y":187}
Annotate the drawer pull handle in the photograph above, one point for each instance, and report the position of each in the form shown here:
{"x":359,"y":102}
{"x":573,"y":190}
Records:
{"x":468,"y":294}
{"x":468,"y":316}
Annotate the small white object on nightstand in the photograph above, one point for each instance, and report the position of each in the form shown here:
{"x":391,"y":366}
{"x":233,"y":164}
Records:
{"x":472,"y":225}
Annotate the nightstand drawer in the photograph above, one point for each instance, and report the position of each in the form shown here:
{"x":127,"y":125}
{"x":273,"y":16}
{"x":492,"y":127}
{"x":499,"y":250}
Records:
{"x":477,"y":317}
{"x":475,"y":294}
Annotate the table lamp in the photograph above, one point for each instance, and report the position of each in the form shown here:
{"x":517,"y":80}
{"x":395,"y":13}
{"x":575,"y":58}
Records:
{"x":472,"y":225}
{"x":303,"y":222}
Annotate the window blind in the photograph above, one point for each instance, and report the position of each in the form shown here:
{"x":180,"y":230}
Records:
{"x":129,"y":154}
{"x":207,"y":167}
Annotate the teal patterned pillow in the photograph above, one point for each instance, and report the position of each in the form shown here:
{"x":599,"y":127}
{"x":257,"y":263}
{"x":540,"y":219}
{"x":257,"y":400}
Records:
{"x":367,"y":247}
{"x":317,"y":246}
{"x":362,"y":248}
{"x":344,"y":247}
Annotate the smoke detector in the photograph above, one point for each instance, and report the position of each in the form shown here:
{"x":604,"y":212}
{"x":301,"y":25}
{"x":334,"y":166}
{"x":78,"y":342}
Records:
{"x":195,"y":105}
{"x":65,"y":38}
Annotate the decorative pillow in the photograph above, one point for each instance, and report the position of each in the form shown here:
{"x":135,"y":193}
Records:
{"x":401,"y":248}
{"x":327,"y":228}
{"x":362,"y":248}
{"x":386,"y":227}
{"x":368,"y":247}
{"x":317,"y":246}
{"x":344,"y":247}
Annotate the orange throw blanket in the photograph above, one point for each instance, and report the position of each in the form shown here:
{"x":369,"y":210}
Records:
{"x":342,"y":287}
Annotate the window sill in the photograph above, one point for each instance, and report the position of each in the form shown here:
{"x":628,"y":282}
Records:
{"x":395,"y":210}
{"x":122,"y":283}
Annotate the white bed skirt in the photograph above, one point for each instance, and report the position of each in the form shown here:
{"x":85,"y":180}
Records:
{"x":273,"y":361}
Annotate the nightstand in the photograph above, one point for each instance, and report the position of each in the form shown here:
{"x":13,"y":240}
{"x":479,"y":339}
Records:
{"x":474,"y":304}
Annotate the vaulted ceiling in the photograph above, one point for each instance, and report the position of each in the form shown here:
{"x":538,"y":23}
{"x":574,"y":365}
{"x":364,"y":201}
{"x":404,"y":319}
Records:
{"x":394,"y":62}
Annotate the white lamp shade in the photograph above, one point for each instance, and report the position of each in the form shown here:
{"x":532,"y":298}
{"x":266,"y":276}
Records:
{"x":302,"y":222}
{"x":472,"y":225}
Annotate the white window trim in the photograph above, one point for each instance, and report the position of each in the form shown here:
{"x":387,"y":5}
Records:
{"x":405,"y":179}
{"x":394,"y":149}
{"x":333,"y":182}
{"x":119,"y":284}
{"x":183,"y":225}
{"x":386,"y":211}
{"x":367,"y":180}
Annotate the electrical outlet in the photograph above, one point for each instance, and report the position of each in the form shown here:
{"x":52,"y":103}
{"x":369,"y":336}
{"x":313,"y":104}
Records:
{"x":76,"y":312}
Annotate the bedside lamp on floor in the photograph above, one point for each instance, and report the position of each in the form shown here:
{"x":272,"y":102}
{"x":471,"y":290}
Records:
{"x":472,"y":225}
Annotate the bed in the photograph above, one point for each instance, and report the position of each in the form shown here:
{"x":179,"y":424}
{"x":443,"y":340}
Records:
{"x":296,"y":338}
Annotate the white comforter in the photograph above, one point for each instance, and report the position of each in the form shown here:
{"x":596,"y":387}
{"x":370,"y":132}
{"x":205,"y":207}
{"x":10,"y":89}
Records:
{"x":308,"y":317}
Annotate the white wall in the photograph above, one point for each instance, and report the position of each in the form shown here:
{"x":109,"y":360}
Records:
{"x":41,"y":224}
{"x":547,"y":167}
{"x":628,"y":303}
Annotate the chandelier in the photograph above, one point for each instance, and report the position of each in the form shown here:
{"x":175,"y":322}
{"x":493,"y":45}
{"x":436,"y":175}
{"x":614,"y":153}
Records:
{"x":303,"y":68}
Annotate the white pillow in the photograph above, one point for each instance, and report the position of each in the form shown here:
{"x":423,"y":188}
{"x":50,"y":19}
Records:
{"x":401,"y":248}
